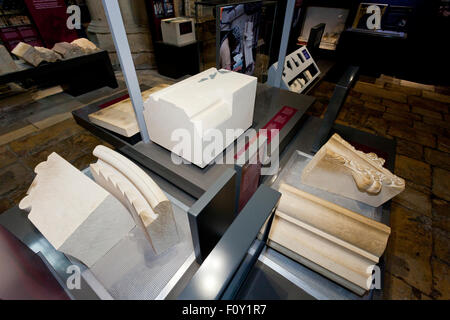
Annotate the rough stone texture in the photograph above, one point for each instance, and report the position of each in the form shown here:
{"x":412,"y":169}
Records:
{"x":441,"y":183}
{"x":14,"y":177}
{"x":444,"y":144}
{"x":6,"y":156}
{"x":414,"y":170}
{"x":426,"y":128}
{"x":44,"y":138}
{"x":410,"y":134}
{"x":375,"y":106}
{"x":427,"y":113}
{"x":409,"y":149}
{"x":410,"y":248}
{"x":379,"y":125}
{"x":427,"y":104}
{"x":441,"y":214}
{"x":441,"y":279}
{"x":375,"y":90}
{"x":414,"y":200}
{"x":408,"y":90}
{"x":396,"y":105}
{"x":441,"y":248}
{"x":396,"y":289}
{"x":436,"y":96}
{"x":437,"y":158}
{"x":395,"y":118}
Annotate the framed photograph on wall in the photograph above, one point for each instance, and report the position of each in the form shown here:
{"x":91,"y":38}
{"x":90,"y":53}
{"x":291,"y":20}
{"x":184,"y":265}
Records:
{"x":237,"y":36}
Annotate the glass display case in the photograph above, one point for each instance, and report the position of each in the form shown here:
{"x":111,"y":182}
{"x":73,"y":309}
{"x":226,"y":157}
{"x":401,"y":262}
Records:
{"x":334,"y":20}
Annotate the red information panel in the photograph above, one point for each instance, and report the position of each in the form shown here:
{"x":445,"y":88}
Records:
{"x":252,"y":171}
{"x":50,"y":18}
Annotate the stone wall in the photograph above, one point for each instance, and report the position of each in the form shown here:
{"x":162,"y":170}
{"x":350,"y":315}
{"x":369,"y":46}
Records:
{"x":134,"y":14}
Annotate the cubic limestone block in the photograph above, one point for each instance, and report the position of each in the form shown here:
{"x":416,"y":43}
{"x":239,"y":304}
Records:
{"x":68,"y":50}
{"x":77,"y":216}
{"x":341,"y":169}
{"x":341,"y":241}
{"x":6,"y":61}
{"x":197,"y":109}
{"x":28,"y":53}
{"x":86,"y":45}
{"x":48,"y":55}
{"x":147,"y":204}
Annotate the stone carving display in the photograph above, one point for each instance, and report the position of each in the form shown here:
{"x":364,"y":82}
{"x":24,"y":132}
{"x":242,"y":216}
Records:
{"x":148,"y":205}
{"x":343,"y":242}
{"x":68,"y":50}
{"x":120,"y":116}
{"x":198,"y":108}
{"x":341,"y":169}
{"x":86,"y":45}
{"x":48,"y":55}
{"x":76,"y":215}
{"x":28,"y":53}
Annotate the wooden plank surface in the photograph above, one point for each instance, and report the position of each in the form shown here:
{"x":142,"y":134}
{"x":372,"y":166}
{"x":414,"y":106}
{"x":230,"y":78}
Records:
{"x":120,"y":117}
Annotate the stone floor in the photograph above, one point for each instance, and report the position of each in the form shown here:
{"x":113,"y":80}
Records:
{"x":416,"y":116}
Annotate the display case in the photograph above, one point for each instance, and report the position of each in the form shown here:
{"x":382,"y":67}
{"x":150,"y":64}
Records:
{"x":334,"y":19}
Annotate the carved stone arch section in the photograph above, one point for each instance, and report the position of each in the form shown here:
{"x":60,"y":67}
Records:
{"x":345,"y":243}
{"x":145,"y":201}
{"x":341,"y":169}
{"x":76,"y":215}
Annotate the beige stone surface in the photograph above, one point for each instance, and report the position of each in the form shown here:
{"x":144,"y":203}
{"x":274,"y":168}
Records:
{"x":48,"y":55}
{"x":67,"y":50}
{"x":120,"y":117}
{"x":375,"y":90}
{"x":86,"y":45}
{"x":339,"y":240}
{"x":27,"y":53}
{"x":341,"y":169}
{"x":74,"y":214}
{"x":147,"y":204}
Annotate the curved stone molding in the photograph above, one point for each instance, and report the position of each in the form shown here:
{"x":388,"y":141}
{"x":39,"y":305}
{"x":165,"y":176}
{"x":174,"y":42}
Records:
{"x":344,"y":242}
{"x":341,"y":169}
{"x":77,"y":216}
{"x":140,"y":194}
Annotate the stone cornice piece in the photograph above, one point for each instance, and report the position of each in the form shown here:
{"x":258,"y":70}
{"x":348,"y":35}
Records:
{"x":145,"y":201}
{"x":341,"y":169}
{"x":77,"y":216}
{"x":339,"y":240}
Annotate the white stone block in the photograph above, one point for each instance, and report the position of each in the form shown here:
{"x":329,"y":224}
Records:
{"x":341,"y":169}
{"x":201,"y":106}
{"x":77,"y":216}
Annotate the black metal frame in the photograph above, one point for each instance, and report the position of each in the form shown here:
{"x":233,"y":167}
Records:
{"x":76,"y":75}
{"x":225,"y":263}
